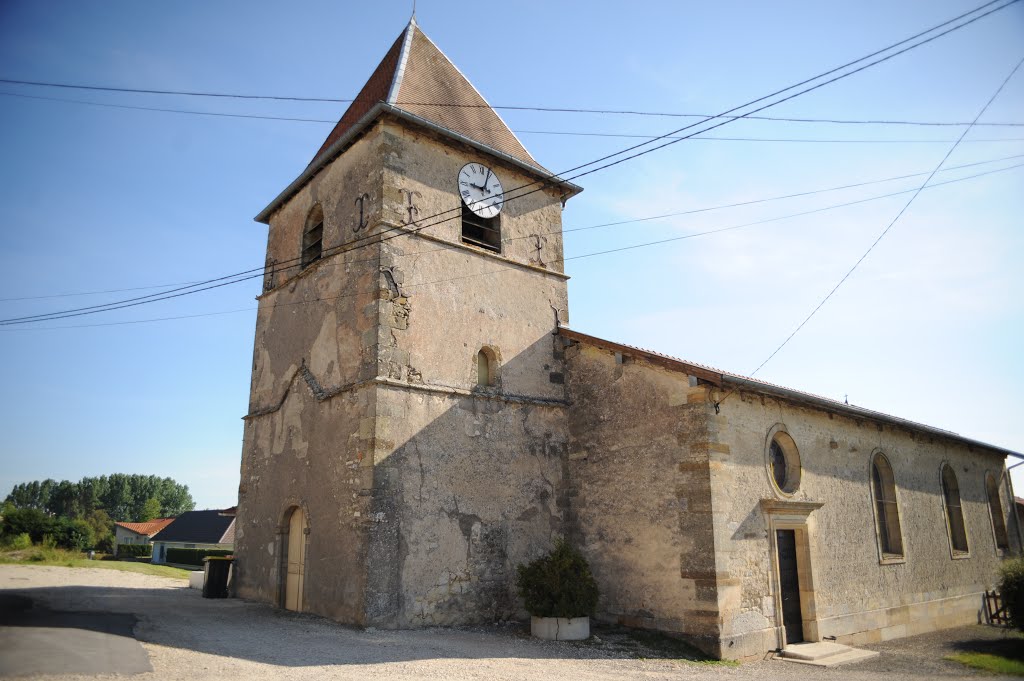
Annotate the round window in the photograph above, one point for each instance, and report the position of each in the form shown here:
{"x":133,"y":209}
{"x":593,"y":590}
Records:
{"x":784,"y":462}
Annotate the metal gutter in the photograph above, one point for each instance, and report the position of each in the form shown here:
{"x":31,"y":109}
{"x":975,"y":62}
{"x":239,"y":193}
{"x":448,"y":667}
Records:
{"x":380,"y":108}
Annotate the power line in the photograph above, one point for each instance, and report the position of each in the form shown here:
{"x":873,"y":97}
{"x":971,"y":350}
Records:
{"x":544,"y":109}
{"x":811,"y":88}
{"x":726,"y":115}
{"x":565,"y":133}
{"x":565,"y":259}
{"x":649,"y":218}
{"x":881,"y":236}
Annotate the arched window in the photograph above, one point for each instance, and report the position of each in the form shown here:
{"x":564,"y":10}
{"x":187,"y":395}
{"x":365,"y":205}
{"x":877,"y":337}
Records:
{"x":783,"y":461}
{"x":887,"y":513}
{"x":995,"y":506}
{"x":954,"y":513}
{"x":486,"y":368}
{"x":313,"y":237}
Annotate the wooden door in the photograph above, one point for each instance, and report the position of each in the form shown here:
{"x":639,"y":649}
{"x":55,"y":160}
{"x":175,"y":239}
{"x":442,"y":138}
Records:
{"x":296,"y":561}
{"x":789,"y":583}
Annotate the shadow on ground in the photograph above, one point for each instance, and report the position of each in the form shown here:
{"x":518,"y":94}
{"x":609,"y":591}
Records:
{"x":181,"y":618}
{"x":1010,"y":645}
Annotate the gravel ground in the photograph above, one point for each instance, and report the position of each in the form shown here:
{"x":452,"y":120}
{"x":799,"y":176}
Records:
{"x":189,"y":637}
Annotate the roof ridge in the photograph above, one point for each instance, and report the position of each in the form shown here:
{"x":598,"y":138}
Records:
{"x":479,"y":94}
{"x":403,"y":57}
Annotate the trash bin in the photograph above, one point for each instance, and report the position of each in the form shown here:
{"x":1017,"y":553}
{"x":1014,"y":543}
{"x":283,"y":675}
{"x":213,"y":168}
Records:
{"x":215,"y":581}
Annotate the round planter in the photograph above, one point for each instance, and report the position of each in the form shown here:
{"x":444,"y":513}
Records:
{"x":560,"y":628}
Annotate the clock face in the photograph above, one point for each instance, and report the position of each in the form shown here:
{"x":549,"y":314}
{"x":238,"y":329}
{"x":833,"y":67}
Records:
{"x":481,"y":190}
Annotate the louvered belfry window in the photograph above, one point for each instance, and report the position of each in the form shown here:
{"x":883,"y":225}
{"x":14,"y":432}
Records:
{"x":313,"y":237}
{"x":482,"y":232}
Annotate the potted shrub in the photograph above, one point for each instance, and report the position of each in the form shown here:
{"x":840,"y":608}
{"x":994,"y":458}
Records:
{"x":560,"y":594}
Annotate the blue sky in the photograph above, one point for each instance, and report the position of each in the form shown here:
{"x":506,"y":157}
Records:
{"x":98,"y":198}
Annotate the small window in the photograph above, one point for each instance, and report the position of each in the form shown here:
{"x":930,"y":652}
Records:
{"x":482,"y":232}
{"x":887,"y":513}
{"x":313,"y":237}
{"x":954,"y":513}
{"x":486,"y":368}
{"x":784,"y":462}
{"x":995,"y":506}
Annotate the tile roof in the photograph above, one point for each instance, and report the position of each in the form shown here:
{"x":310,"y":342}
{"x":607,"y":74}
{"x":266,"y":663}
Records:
{"x":720,"y":378}
{"x":417,"y":83}
{"x":148,"y":528}
{"x":200,"y":527}
{"x":415,"y":76}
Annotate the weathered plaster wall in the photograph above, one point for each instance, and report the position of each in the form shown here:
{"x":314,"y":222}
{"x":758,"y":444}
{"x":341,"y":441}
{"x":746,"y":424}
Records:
{"x":851,"y":595}
{"x":469,"y":478}
{"x":640,"y":492}
{"x":309,"y":433}
{"x":338,"y":189}
{"x":473,"y":487}
{"x":422,"y":489}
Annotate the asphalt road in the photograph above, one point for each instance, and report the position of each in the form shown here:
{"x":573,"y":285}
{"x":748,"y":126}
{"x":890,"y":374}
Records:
{"x":37,"y":640}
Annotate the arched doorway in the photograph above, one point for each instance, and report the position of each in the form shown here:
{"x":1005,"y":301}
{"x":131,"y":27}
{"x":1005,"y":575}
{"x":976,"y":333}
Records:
{"x":295,"y":558}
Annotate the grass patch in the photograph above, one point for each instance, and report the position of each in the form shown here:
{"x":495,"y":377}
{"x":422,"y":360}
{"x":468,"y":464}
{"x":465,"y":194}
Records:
{"x":989,"y":662}
{"x":42,"y":555}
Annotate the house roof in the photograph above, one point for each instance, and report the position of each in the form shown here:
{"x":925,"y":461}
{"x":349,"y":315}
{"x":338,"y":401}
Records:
{"x":148,"y":528}
{"x":416,"y":82}
{"x":200,"y":527}
{"x":737,"y":381}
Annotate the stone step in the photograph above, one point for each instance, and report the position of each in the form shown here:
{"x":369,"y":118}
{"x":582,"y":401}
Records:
{"x":824,"y":654}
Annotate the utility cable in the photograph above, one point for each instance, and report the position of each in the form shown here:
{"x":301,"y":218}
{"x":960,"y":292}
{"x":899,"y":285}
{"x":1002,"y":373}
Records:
{"x":571,"y":229}
{"x":880,"y":236}
{"x":379,"y":238}
{"x":560,"y":133}
{"x":565,"y":259}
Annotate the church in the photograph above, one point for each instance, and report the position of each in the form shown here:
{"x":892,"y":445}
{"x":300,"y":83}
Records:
{"x":423,"y":418}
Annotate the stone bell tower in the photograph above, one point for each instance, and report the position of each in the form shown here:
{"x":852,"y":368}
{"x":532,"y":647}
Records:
{"x":406,"y":438}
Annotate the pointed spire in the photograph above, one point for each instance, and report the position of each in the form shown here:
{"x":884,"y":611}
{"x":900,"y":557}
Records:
{"x":416,"y":77}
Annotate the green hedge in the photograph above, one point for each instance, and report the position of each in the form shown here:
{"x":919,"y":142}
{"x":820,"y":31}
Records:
{"x":1011,"y":588}
{"x":133,"y":550}
{"x":192,"y":556}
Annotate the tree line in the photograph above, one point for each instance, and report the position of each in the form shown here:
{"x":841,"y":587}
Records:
{"x":81,"y":515}
{"x":128,"y":498}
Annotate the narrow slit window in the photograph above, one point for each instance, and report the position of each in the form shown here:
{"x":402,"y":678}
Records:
{"x":954,"y":512}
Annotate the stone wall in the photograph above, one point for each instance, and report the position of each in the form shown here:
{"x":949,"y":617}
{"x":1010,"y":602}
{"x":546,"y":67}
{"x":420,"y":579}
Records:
{"x":855,"y":593}
{"x":675,"y":508}
{"x":309,"y":433}
{"x":423,"y":490}
{"x":470,"y":478}
{"x":640,"y":492}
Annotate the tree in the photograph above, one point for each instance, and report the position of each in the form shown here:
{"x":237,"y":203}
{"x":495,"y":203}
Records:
{"x":33,"y":494}
{"x":151,"y":509}
{"x":102,"y":528}
{"x":75,"y":535}
{"x":31,"y":521}
{"x":64,"y":501}
{"x":123,"y":496}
